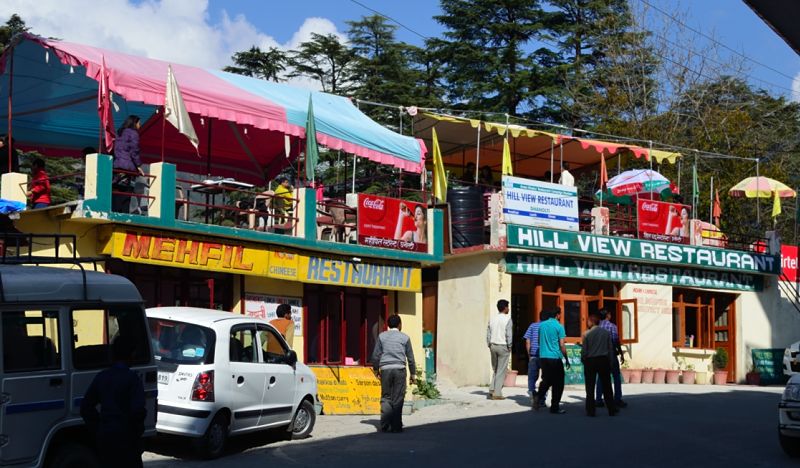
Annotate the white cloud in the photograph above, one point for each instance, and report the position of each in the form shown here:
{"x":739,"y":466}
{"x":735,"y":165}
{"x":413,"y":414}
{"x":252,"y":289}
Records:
{"x":180,"y":31}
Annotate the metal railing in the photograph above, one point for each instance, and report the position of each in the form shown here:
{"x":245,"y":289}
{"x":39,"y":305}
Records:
{"x":125,"y":188}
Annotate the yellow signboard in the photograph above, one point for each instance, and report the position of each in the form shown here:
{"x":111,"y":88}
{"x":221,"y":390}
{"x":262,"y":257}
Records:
{"x":232,"y":257}
{"x":348,"y":390}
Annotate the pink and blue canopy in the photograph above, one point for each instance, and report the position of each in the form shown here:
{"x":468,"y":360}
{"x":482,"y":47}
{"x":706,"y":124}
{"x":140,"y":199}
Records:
{"x":242,"y":122}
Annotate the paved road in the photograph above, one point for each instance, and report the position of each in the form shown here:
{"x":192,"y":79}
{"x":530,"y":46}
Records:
{"x":663,"y":426}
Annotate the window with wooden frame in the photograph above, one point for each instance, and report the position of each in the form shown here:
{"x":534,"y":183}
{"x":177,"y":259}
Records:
{"x":577,"y":298}
{"x":692,"y":319}
{"x":342,"y":324}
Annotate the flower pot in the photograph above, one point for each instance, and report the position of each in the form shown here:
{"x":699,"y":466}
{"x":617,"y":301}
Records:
{"x":511,"y":378}
{"x":673,"y":376}
{"x":753,"y":378}
{"x":720,"y":377}
{"x":626,"y":375}
{"x":647,"y":375}
{"x":636,"y":375}
{"x":689,"y":377}
{"x":701,"y":377}
{"x":659,"y":375}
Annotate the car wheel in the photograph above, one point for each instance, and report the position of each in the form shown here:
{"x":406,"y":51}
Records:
{"x":212,"y":443}
{"x":790,"y":445}
{"x":72,"y":455}
{"x":304,"y":419}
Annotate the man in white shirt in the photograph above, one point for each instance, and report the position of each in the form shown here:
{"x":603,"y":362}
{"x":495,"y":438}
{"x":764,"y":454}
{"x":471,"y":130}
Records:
{"x":498,"y":338}
{"x":566,"y":178}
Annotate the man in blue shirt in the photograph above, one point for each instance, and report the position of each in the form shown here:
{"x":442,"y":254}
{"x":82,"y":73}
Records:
{"x":606,"y":324}
{"x":532,"y":346}
{"x":552,"y":351}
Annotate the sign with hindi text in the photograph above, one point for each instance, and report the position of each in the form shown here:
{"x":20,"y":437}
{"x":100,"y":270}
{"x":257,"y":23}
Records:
{"x":392,"y":223}
{"x":663,"y":222}
{"x":536,"y":203}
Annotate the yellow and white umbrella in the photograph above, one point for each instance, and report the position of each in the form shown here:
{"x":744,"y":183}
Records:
{"x":763,"y":187}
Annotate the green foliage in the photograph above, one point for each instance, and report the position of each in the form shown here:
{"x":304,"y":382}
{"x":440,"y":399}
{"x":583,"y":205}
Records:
{"x":720,"y":359}
{"x":267,"y":65}
{"x":325,"y":59}
{"x":14,"y":25}
{"x":425,"y":388}
{"x":66,"y":175}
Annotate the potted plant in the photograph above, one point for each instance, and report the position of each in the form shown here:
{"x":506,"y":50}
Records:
{"x":647,"y":375}
{"x":720,"y":363}
{"x":753,"y":377}
{"x":659,"y":375}
{"x":673,"y":375}
{"x":636,"y":375}
{"x":688,"y":373}
{"x":626,"y":372}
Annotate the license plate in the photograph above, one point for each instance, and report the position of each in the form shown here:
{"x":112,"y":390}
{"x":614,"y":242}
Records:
{"x":163,"y":377}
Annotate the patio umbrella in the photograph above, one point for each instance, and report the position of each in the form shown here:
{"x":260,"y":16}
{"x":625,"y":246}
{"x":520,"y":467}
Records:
{"x":622,"y":188}
{"x":763,"y":187}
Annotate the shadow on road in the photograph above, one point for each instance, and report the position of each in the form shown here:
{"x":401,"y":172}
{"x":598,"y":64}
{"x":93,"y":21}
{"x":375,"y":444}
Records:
{"x":736,"y":428}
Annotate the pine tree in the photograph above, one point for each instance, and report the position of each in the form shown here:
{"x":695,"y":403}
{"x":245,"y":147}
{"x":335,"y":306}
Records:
{"x":13,"y":26}
{"x":268,"y":65}
{"x":325,"y":59}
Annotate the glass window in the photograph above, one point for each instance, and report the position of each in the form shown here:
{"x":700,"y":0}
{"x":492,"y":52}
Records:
{"x":94,"y":331}
{"x":333,"y":322}
{"x":572,"y":318}
{"x":353,"y":316}
{"x":181,"y":343}
{"x":243,"y":344}
{"x":273,"y":348}
{"x":30,"y":341}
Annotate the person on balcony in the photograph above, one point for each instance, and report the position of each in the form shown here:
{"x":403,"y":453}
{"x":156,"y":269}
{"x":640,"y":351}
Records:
{"x":486,"y":179}
{"x":566,"y":177}
{"x":282,"y":200}
{"x":126,"y":158}
{"x":39,"y":192}
{"x":468,"y":177}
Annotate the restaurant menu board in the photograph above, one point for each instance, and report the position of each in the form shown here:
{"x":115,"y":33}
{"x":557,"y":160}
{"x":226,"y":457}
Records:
{"x":664,"y":222}
{"x":265,"y":306}
{"x":541,"y":204}
{"x":769,"y":364}
{"x":392,"y":223}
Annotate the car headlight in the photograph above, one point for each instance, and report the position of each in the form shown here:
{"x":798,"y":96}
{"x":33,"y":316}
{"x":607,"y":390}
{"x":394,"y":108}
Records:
{"x":792,"y":392}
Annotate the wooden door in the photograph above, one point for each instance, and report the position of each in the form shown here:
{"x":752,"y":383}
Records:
{"x":724,"y":321}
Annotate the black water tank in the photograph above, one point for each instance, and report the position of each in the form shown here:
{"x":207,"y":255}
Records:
{"x":466,"y":215}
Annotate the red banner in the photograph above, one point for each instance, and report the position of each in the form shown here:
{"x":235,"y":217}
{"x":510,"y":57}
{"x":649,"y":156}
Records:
{"x":664,"y":222}
{"x":392,"y":223}
{"x":789,"y":262}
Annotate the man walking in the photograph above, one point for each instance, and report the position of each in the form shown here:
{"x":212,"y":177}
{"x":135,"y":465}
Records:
{"x":118,"y":426}
{"x":392,"y":350}
{"x":283,"y":323}
{"x":552,"y":350}
{"x":596,"y":354}
{"x":532,"y":346}
{"x":498,"y":338}
{"x":607,"y":325}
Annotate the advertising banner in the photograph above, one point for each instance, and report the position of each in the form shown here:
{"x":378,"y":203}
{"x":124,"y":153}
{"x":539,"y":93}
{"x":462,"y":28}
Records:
{"x":605,"y":270}
{"x":542,"y":204}
{"x":392,"y":223}
{"x":265,"y":306}
{"x":636,"y":250}
{"x":789,"y":262}
{"x":664,"y":222}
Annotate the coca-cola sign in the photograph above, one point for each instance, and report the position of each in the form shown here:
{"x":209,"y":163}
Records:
{"x":664,"y":222}
{"x":392,"y":223}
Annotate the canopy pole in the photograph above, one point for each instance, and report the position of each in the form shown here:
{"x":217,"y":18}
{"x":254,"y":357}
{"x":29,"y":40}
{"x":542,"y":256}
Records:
{"x":10,"y":93}
{"x":164,"y":129}
{"x":561,"y":166}
{"x":552,"y":155}
{"x":758,"y":197}
{"x":400,"y":115}
{"x":650,"y":158}
{"x":694,"y":186}
{"x":355,"y":159}
{"x":478,"y":153}
{"x":208,"y":148}
{"x":679,"y":174}
{"x":711,"y":203}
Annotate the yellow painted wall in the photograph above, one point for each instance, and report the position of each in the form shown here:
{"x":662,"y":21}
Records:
{"x":263,"y":285}
{"x":409,"y":307}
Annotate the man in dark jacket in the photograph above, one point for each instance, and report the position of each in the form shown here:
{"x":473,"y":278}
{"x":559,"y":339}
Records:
{"x":392,"y":350}
{"x":597,"y":351}
{"x":119,"y":425}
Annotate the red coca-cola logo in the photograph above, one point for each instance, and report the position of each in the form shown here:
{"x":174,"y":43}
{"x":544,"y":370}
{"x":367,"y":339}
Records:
{"x":374,"y":203}
{"x":651,"y":207}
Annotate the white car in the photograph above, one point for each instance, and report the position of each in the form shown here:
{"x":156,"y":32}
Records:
{"x":789,"y":417}
{"x":791,"y":359}
{"x":222,"y":374}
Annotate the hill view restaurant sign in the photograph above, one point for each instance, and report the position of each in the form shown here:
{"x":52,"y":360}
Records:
{"x":637,"y":250}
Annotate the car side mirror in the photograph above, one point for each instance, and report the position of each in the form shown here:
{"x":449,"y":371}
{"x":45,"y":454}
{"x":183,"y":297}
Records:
{"x":291,"y":358}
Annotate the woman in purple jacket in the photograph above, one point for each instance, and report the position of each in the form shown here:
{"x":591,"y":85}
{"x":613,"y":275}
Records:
{"x":126,"y":158}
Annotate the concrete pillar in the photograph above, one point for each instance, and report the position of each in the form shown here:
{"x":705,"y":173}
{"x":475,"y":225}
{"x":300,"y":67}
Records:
{"x":162,"y":189}
{"x":13,"y":186}
{"x":306,"y":212}
{"x":97,"y":182}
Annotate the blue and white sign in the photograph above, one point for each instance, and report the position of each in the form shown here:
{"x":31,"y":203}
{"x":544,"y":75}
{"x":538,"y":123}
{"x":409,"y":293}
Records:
{"x":541,"y":204}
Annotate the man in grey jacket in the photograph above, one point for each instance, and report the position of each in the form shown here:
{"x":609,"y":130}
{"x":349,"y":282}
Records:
{"x":392,"y":350}
{"x":498,"y":339}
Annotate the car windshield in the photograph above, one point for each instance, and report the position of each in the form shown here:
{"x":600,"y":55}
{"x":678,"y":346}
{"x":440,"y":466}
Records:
{"x":181,"y":342}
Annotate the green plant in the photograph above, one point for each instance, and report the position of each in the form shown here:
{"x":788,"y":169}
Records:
{"x":626,"y":365}
{"x":425,"y":387}
{"x":720,"y":359}
{"x":689,"y":367}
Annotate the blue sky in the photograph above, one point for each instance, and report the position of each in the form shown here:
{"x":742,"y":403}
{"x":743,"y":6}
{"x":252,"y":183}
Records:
{"x":207,"y":32}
